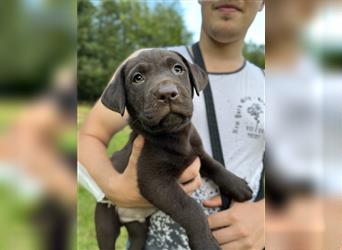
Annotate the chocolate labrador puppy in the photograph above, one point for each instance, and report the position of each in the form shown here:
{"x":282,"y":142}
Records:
{"x":156,"y":86}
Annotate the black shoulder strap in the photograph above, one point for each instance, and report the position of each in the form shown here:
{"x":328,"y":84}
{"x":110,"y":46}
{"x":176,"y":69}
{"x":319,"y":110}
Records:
{"x":210,"y":108}
{"x":214,"y":134}
{"x":213,"y":128}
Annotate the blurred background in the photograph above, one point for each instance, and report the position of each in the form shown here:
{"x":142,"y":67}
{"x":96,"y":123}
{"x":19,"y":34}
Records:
{"x":109,"y":31}
{"x":38,"y":124}
{"x":303,"y":125}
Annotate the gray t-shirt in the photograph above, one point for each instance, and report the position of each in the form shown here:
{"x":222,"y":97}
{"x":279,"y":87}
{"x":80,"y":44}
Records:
{"x":239,"y":99}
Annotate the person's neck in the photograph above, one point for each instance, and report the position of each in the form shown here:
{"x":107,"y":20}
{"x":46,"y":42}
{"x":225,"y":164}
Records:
{"x":221,"y":57}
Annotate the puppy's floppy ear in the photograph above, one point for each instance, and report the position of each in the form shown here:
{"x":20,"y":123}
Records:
{"x":114,"y":96}
{"x":198,"y":77}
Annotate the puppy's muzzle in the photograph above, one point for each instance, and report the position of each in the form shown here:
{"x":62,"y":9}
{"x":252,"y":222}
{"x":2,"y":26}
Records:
{"x":166,"y":93}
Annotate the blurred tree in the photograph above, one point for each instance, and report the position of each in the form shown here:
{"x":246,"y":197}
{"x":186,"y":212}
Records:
{"x":255,"y":53}
{"x":35,"y":37}
{"x":109,"y":31}
{"x":89,"y":66}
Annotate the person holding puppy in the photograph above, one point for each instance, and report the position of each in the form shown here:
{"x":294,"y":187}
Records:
{"x":238,"y":94}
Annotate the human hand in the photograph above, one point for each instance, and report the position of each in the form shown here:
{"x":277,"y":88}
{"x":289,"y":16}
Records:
{"x":241,"y":227}
{"x":125,"y":191}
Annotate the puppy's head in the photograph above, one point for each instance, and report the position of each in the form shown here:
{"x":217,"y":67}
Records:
{"x":157,"y":87}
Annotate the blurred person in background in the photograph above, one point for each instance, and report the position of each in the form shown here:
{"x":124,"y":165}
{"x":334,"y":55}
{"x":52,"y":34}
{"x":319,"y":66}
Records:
{"x":238,"y":92}
{"x":32,"y":161}
{"x":296,"y":176}
{"x":293,"y":95}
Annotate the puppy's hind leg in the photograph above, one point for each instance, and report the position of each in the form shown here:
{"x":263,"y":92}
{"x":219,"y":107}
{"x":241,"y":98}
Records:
{"x":107,"y":225}
{"x":137,"y":233}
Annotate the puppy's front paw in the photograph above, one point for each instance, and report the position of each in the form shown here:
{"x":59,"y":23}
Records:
{"x":239,"y":190}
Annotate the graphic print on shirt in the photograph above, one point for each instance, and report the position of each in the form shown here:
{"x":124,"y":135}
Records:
{"x":252,"y":108}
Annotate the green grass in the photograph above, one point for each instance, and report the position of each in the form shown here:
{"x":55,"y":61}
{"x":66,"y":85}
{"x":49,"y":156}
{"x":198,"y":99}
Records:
{"x":15,"y":224}
{"x":86,"y":238}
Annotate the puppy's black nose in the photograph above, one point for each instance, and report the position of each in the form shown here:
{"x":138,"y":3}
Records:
{"x":167,"y":92}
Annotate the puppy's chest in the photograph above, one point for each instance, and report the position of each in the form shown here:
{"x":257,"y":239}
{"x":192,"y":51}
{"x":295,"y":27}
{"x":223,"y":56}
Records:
{"x":173,"y":156}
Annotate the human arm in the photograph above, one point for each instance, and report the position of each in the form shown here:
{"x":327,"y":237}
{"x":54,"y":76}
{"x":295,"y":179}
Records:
{"x":32,"y":148}
{"x":94,"y":136}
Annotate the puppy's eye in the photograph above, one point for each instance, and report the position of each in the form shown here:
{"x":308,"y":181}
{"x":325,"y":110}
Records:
{"x":138,"y":78}
{"x":177,"y":69}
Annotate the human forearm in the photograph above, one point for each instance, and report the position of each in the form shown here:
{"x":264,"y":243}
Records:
{"x":55,"y":175}
{"x":92,"y":154}
{"x":43,"y":165}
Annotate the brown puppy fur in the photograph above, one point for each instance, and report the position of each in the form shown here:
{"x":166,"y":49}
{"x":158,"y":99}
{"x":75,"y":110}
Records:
{"x":156,"y":87}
